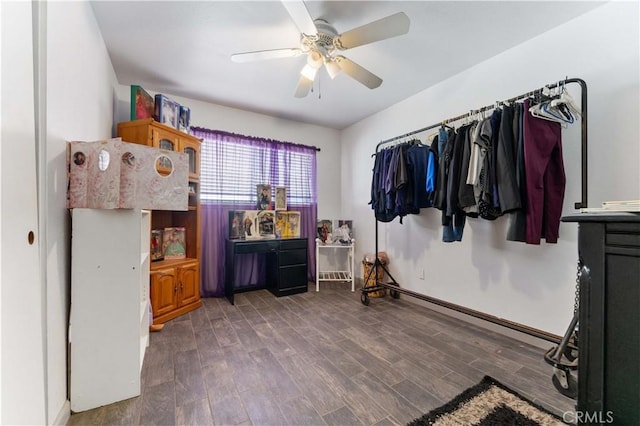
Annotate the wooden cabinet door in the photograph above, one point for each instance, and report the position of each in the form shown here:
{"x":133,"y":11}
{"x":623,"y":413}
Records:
{"x":163,"y":139}
{"x":189,"y":282}
{"x":192,"y":149}
{"x":164,"y":291}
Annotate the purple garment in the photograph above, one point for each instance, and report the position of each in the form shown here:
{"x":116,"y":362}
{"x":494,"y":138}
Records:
{"x":545,"y":178}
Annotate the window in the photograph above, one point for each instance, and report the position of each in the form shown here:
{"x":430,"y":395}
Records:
{"x":232,"y":166}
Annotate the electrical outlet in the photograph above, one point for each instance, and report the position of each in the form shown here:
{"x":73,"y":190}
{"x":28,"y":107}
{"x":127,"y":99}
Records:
{"x":421,"y":274}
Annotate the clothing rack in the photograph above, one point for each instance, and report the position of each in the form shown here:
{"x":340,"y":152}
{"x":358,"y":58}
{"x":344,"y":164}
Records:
{"x":394,"y":288}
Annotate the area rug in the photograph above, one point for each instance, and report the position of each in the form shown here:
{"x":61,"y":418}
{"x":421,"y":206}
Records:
{"x":488,"y":403}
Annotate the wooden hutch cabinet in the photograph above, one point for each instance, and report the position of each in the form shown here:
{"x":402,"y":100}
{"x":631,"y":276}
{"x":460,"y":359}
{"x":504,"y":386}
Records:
{"x":175,"y":284}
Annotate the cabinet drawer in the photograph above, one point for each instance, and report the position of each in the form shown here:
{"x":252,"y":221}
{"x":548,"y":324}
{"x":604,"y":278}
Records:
{"x":293,"y":244}
{"x":625,"y":240}
{"x":293,"y":276}
{"x":293,"y":257}
{"x":257,"y":247}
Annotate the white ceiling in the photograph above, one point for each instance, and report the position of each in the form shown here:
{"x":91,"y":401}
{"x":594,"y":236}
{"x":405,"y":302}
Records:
{"x":183,"y":48}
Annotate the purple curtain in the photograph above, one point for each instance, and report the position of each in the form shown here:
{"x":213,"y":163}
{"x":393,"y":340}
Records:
{"x":259,"y":161}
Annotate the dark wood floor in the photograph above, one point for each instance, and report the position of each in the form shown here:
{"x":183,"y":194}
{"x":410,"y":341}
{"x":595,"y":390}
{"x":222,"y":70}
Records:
{"x":316,"y":359}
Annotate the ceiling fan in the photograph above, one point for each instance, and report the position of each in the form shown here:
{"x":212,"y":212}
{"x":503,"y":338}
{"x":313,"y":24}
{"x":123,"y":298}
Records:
{"x":320,"y":41}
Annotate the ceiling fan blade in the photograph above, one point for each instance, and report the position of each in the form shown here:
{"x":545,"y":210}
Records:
{"x":300,"y":16}
{"x":304,"y":85}
{"x":391,"y":26}
{"x":358,"y":73}
{"x":260,"y":55}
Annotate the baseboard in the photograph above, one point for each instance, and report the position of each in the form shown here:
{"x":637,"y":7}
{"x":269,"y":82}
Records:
{"x":63,"y":415}
{"x":488,"y":325}
{"x":505,"y":331}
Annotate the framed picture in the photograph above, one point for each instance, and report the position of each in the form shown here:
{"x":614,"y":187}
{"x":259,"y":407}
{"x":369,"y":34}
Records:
{"x":343,"y":231}
{"x":236,"y":229}
{"x":266,"y":224}
{"x":325,"y":228}
{"x":166,"y":111}
{"x":281,"y":197}
{"x":292,"y":229}
{"x":281,"y":220}
{"x":263,"y":193}
{"x":156,"y":245}
{"x":173,"y":243}
{"x":142,"y":104}
{"x":250,"y":224}
{"x":184,"y":119}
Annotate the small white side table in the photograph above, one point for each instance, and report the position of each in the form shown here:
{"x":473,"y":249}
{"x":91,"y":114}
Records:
{"x":344,"y":276}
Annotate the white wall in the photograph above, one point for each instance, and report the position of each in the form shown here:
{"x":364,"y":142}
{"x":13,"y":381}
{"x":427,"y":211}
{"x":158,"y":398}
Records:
{"x":80,"y":104}
{"x":217,"y":117}
{"x":532,"y":285}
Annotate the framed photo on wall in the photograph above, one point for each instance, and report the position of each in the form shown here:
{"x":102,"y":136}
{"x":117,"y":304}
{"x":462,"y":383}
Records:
{"x":281,"y":197}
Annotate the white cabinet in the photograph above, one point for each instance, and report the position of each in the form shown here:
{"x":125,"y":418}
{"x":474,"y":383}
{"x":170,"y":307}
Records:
{"x":109,"y":321}
{"x":335,"y":254}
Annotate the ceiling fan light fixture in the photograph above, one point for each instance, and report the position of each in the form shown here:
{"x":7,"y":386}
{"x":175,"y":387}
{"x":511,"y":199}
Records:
{"x":333,"y":69}
{"x":314,"y":59}
{"x":309,"y":72}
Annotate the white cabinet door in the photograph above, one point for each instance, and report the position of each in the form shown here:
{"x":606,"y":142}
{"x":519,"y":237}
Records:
{"x":108,"y":262}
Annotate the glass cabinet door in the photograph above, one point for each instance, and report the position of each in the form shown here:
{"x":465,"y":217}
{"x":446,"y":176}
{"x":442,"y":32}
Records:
{"x":194,"y":158}
{"x":166,"y":144}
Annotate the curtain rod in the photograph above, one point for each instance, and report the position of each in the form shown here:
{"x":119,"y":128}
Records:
{"x":255,"y":138}
{"x":583,"y":85}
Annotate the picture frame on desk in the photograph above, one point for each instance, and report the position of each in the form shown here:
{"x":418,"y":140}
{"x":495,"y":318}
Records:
{"x":281,"y":198}
{"x":263,"y":194}
{"x":287,"y":224}
{"x":236,"y":224}
{"x":266,"y":224}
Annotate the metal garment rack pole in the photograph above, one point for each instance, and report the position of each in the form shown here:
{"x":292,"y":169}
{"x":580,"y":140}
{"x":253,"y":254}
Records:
{"x":394,"y":287}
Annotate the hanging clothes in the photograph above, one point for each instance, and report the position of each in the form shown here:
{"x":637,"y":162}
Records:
{"x":486,"y":207}
{"x":517,"y":230}
{"x":496,"y":119}
{"x":417,"y":159}
{"x":444,"y":158}
{"x":466,"y":197}
{"x":432,"y":171}
{"x":455,"y":218}
{"x":509,"y":196}
{"x":545,"y":178}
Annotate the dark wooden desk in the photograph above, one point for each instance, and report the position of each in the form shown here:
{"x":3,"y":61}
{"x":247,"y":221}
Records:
{"x":609,"y":318}
{"x":286,"y":265}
